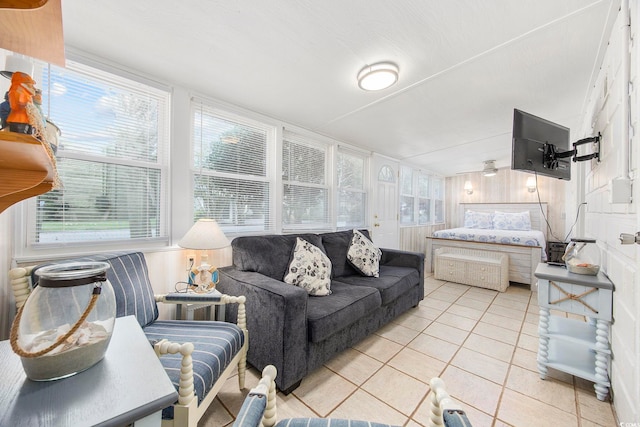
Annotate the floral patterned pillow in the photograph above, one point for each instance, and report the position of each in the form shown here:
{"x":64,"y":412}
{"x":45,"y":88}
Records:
{"x":364,"y":255}
{"x":309,"y":269}
{"x":473,"y":219}
{"x":512,"y":221}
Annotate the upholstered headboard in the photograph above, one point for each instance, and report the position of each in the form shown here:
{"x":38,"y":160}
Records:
{"x":537,"y":212}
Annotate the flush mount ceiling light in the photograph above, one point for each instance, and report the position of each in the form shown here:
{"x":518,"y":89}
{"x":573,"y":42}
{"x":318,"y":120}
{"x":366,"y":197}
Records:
{"x":378,"y":76}
{"x":489,"y":168}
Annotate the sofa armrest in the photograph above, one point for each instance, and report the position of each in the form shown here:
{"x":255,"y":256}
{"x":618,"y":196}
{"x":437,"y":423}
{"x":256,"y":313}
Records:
{"x":400,"y":258}
{"x":277,"y":320}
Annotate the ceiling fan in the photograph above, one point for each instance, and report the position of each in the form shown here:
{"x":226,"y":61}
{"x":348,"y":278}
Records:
{"x":488,"y":170}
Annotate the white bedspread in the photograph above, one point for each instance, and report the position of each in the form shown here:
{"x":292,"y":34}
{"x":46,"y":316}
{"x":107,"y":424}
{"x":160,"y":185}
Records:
{"x":490,"y":235}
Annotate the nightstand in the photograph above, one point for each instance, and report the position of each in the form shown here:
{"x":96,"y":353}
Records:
{"x":569,"y":345}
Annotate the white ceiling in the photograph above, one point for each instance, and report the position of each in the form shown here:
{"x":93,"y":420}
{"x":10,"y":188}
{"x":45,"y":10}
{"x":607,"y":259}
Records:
{"x":464,"y":64}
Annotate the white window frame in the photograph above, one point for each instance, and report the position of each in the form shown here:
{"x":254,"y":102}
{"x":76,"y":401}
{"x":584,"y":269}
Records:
{"x":364,"y":191}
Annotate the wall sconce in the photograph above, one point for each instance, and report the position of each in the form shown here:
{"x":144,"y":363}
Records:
{"x":468,"y":187}
{"x":531,"y":184}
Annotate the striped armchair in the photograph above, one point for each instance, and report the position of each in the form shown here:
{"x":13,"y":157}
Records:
{"x":259,"y":409}
{"x":198,"y":356}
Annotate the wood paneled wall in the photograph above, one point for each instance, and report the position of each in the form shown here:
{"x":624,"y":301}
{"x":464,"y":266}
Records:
{"x":415,"y":238}
{"x":508,"y":186}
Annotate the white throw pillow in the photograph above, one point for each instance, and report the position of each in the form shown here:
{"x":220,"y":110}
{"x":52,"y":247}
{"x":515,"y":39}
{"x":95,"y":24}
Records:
{"x":473,"y":219}
{"x":512,"y":221}
{"x":364,"y":255}
{"x":309,"y":268}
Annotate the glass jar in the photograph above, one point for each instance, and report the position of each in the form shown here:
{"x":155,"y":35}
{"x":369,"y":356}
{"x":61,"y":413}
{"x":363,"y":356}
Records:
{"x":66,"y":323}
{"x":582,"y":256}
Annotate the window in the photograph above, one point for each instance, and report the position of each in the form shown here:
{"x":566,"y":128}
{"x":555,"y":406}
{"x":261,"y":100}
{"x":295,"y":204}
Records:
{"x":352,"y":197}
{"x":407,"y":197}
{"x":305,"y":199}
{"x":421,"y":197}
{"x":111,"y":159}
{"x":231,"y":177}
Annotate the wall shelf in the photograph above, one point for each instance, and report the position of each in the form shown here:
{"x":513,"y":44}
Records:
{"x":26,"y":170}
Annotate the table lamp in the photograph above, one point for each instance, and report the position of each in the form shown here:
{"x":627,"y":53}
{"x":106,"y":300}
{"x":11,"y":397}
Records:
{"x":204,"y":235}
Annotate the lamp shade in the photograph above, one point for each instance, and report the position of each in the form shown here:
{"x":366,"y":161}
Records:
{"x":531,"y":184}
{"x":205,"y":234}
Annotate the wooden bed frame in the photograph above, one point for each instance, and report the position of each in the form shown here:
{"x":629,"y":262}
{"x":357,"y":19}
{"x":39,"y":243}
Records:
{"x":523,"y":260}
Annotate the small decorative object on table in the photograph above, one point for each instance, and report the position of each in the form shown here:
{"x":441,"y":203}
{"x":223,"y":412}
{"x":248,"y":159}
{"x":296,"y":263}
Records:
{"x":582,"y":256}
{"x":66,"y":324}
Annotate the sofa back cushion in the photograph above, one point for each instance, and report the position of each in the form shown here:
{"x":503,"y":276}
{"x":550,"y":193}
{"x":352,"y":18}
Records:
{"x":336,"y":245}
{"x":129,"y":277}
{"x":268,"y":255}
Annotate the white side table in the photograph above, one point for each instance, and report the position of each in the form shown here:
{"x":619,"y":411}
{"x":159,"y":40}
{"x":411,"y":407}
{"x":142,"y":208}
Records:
{"x":569,"y":345}
{"x":190,"y":301}
{"x":129,"y":385}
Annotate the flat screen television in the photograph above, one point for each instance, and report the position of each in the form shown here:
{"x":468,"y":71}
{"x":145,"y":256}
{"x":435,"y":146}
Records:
{"x":538,"y":146}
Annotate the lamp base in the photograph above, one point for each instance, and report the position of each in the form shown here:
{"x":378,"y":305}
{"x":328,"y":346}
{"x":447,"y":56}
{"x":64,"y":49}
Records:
{"x":203,"y":279}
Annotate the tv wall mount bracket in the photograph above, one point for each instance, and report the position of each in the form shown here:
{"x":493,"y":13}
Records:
{"x":551,"y":155}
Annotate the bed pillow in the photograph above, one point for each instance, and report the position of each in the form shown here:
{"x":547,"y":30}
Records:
{"x":473,"y":219}
{"x":364,"y":255}
{"x":309,"y":269}
{"x":512,"y":221}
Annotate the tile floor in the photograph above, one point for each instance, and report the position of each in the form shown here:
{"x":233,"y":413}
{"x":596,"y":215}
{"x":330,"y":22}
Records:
{"x":482,"y":343}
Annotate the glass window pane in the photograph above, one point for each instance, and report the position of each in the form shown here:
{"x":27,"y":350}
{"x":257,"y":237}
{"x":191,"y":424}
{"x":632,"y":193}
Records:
{"x":406,"y":209}
{"x":424,"y":211}
{"x":305,"y":206}
{"x":351,"y":209}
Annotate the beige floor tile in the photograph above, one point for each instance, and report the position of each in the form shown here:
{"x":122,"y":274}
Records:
{"x":470,"y":313}
{"x":525,"y":359}
{"x":463,"y":323}
{"x":215,"y":416}
{"x":550,"y":391}
{"x":411,"y":321}
{"x":397,"y":333}
{"x":323,"y":390}
{"x":355,"y":366}
{"x":455,"y":288}
{"x":523,"y":411}
{"x":446,"y":332}
{"x":528,"y":342}
{"x":532,"y":318}
{"x":291,"y":407}
{"x":417,"y":364}
{"x":443,"y":295}
{"x":397,"y":389}
{"x":503,"y":322}
{"x":434,"y":347}
{"x":489,"y":347}
{"x":378,"y":347}
{"x":530,"y":329}
{"x":481,"y":294}
{"x":466,"y":301}
{"x":469,"y":389}
{"x":496,"y":332}
{"x":506,"y":312}
{"x":511,"y":303}
{"x":363,"y":406}
{"x":426,"y":312}
{"x":435,"y":304}
{"x":594,"y":410}
{"x":481,"y":365}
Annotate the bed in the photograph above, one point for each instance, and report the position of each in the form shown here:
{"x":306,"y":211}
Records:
{"x":525,"y":248}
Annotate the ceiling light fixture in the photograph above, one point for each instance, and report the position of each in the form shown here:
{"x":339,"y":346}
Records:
{"x":378,"y":76}
{"x":489,"y":168}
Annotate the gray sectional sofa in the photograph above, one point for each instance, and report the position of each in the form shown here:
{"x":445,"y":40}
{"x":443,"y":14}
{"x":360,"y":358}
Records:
{"x":297,"y":332}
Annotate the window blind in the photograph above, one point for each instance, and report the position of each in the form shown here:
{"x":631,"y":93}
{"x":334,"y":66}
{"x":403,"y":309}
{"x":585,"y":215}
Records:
{"x":305,"y":203}
{"x":231,"y":179}
{"x":111,"y":159}
{"x":407,"y":196}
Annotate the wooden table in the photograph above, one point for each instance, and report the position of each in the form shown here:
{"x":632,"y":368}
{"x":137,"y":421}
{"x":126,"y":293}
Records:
{"x":128,"y":385}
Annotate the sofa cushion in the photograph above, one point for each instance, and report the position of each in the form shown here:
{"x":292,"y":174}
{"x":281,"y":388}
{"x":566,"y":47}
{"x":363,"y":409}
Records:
{"x":309,"y":269}
{"x":336,"y":246}
{"x":393,"y":281}
{"x":129,"y":277}
{"x":345,"y":305}
{"x":214,"y":348}
{"x":364,"y":255}
{"x":268,"y":255}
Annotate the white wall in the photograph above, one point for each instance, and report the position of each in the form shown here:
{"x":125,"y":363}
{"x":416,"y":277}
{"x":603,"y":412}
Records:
{"x":605,"y":112}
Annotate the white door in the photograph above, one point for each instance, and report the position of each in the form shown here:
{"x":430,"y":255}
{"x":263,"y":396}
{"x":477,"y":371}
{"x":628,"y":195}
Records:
{"x":384,"y":217}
